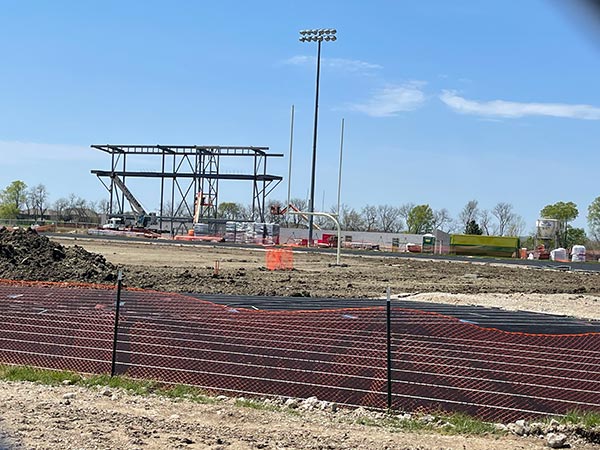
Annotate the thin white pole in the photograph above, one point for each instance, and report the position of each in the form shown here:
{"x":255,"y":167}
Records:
{"x":340,"y":173}
{"x":290,"y":165}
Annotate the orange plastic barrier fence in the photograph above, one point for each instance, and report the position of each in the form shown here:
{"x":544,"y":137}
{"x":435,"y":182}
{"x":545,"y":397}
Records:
{"x":279,"y":259}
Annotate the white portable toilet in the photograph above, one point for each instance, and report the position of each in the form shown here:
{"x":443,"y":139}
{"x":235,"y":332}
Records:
{"x":578,"y":253}
{"x":558,"y":254}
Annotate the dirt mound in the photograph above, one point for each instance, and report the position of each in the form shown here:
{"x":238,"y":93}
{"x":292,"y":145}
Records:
{"x":26,"y":255}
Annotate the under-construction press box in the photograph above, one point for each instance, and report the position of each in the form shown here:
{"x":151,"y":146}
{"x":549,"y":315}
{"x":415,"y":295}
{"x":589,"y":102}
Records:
{"x":240,"y":232}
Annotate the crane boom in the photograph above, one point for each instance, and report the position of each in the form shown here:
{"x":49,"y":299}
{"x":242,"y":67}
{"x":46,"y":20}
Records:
{"x":135,"y":205}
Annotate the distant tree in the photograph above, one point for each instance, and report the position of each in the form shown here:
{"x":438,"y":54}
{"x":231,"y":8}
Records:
{"x":228,"y":211}
{"x":441,"y":220}
{"x":564,"y":213}
{"x":516,"y":227}
{"x":12,"y":199}
{"x":14,"y":194}
{"x":37,"y":197}
{"x":420,"y":220}
{"x":103,"y":206}
{"x":61,"y":206}
{"x":593,"y":219}
{"x":485,"y":219}
{"x":388,"y":219}
{"x":74,"y":208}
{"x":504,"y":213}
{"x":9,"y":211}
{"x":575,"y":236}
{"x":350,"y":219}
{"x":470,"y":213}
{"x":404,"y":210}
{"x":369,"y":217}
{"x":473,"y":228}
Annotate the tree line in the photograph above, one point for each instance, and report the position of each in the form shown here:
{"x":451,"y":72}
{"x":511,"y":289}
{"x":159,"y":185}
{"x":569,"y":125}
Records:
{"x":17,"y":200}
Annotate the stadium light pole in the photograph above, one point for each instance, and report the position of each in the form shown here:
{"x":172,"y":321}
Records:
{"x":318,"y":36}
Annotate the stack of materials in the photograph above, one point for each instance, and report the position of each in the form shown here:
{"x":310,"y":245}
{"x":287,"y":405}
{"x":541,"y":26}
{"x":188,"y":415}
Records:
{"x":578,"y":253}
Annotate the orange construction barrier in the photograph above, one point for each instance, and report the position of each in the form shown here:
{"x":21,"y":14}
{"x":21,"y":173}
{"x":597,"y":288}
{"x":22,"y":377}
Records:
{"x":279,"y":259}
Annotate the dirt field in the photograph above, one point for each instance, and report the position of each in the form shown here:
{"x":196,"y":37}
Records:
{"x":183,"y":268}
{"x":39,"y":417}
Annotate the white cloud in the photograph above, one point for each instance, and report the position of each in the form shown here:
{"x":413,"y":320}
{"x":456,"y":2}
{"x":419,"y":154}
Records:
{"x":501,"y":108}
{"x":341,"y":64}
{"x":392,"y":99}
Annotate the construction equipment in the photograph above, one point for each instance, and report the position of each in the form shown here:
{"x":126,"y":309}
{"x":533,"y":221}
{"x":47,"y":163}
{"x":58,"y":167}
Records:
{"x":142,"y":218}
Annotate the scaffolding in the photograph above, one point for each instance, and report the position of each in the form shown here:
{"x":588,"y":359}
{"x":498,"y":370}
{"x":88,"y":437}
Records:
{"x":189,"y":177}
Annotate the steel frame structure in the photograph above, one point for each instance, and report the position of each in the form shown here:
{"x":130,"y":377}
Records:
{"x":194,"y":172}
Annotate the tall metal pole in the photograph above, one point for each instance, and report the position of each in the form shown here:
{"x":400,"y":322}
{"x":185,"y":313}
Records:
{"x":340,"y":172}
{"x":311,"y":206}
{"x":318,"y":36}
{"x":290,"y":164}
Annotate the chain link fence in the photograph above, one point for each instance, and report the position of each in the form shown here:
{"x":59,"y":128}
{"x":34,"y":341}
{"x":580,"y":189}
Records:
{"x":436,"y":363}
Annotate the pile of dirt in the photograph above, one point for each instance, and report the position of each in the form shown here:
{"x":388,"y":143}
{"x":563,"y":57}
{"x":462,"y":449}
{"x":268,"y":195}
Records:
{"x":26,"y":255}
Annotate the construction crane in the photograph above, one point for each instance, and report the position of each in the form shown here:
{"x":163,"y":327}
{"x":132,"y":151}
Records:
{"x":142,"y":218}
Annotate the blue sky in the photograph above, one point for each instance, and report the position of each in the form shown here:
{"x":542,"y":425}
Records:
{"x":443,"y":102}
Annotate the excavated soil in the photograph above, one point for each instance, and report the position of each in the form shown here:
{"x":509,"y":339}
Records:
{"x":26,"y":255}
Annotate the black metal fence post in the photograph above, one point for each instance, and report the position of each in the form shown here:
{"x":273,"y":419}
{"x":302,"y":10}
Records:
{"x":116,"y":333}
{"x":389,"y":349}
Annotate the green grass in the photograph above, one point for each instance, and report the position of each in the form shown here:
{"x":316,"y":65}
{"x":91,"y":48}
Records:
{"x":585,"y":419}
{"x":44,"y":376}
{"x":465,"y":424}
{"x":134,"y":386}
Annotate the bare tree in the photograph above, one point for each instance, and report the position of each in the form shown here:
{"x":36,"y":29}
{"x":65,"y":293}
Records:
{"x":61,"y":207}
{"x":350,"y":219}
{"x":441,"y":220}
{"x":79,"y":209}
{"x":39,"y":199}
{"x":388,"y":218}
{"x":516,"y":226}
{"x":369,"y":216}
{"x":104,"y":206}
{"x":469,"y":213}
{"x":505,"y":215}
{"x":485,"y":221}
{"x":245,"y":212}
{"x":404,"y":211}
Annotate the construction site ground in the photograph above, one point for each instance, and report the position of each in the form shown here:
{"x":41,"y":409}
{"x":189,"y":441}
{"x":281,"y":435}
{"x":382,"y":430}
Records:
{"x":241,"y":271}
{"x":42,"y":417}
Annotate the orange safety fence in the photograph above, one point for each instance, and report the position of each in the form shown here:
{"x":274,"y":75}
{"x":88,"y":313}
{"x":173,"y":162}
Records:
{"x":438,"y":363}
{"x":279,"y":259}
